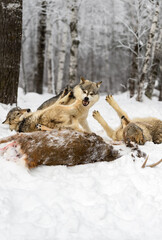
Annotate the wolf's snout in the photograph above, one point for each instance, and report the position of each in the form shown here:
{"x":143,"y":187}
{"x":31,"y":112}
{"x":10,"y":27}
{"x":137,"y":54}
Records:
{"x":28,"y":110}
{"x":86,"y":99}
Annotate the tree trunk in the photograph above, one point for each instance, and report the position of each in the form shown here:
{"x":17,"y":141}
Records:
{"x":62,"y":56}
{"x":134,"y":72}
{"x":160,"y":86}
{"x":49,"y":54}
{"x":160,"y":74}
{"x":148,"y":53}
{"x":154,"y":69}
{"x":10,"y":49}
{"x":74,"y":42}
{"x":38,"y":79}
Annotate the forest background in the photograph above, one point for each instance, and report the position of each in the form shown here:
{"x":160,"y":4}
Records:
{"x":46,"y":45}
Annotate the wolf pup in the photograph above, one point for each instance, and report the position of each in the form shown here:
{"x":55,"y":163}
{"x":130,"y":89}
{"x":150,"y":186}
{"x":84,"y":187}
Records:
{"x":138,"y":130}
{"x":15,"y":116}
{"x":60,"y":114}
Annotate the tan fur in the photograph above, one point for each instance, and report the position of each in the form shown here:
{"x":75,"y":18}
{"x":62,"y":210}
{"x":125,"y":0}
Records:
{"x":138,"y":130}
{"x":62,"y":115}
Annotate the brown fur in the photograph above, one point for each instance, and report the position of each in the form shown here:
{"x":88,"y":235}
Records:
{"x":62,"y":115}
{"x":63,"y":147}
{"x":138,"y":130}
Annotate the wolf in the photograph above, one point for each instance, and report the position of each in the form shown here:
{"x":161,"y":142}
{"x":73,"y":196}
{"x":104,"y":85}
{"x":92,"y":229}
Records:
{"x":138,"y":130}
{"x":15,"y":116}
{"x":63,"y":114}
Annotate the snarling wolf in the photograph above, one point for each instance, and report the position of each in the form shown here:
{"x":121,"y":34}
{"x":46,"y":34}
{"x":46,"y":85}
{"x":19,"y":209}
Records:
{"x":15,"y":116}
{"x":63,"y":114}
{"x":137,"y":130}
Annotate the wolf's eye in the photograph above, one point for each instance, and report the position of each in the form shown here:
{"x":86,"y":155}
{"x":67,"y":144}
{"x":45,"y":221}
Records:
{"x":84,"y":91}
{"x":91,"y":94}
{"x":18,"y":114}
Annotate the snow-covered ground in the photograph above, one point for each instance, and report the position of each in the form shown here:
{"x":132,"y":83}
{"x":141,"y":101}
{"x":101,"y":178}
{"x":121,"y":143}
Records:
{"x":102,"y":201}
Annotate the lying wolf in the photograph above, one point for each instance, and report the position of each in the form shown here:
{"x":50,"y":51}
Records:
{"x":63,"y":114}
{"x":138,"y":130}
{"x":15,"y":116}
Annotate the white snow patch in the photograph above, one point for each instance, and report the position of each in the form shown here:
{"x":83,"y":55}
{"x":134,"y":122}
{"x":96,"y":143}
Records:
{"x":100,"y":201}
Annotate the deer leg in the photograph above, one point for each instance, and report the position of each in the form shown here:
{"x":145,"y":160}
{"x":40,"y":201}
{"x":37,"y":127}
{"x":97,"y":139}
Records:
{"x":151,"y":165}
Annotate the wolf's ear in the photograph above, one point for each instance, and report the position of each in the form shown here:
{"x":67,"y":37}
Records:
{"x":82,"y":80}
{"x":98,"y":84}
{"x":6,"y":121}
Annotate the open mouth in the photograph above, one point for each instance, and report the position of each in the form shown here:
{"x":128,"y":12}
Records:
{"x":85,"y":103}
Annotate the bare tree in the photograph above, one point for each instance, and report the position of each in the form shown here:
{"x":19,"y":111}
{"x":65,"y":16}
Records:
{"x":73,"y":5}
{"x":160,"y":73}
{"x":153,"y":74}
{"x":62,"y":56}
{"x":10,"y":42}
{"x":49,"y":50}
{"x":148,"y":53}
{"x":39,"y":73}
{"x":134,"y":35}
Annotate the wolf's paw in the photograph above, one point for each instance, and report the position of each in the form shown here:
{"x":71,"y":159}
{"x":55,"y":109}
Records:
{"x":109,"y":99}
{"x":39,"y":126}
{"x":96,"y":114}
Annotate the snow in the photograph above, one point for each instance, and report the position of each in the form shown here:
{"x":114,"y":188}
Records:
{"x":100,"y":201}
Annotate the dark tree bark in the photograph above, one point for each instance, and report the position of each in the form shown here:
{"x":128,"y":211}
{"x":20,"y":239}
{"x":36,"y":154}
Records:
{"x":38,"y":79}
{"x":10,"y":49}
{"x":160,"y":88}
{"x":160,"y":76}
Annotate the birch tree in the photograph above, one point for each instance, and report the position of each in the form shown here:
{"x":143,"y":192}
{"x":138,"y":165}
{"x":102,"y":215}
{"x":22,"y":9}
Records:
{"x":38,"y":79}
{"x":148,"y":53}
{"x":62,"y":56}
{"x":73,"y":5}
{"x":153,"y":74}
{"x":49,"y":50}
{"x":10,"y":49}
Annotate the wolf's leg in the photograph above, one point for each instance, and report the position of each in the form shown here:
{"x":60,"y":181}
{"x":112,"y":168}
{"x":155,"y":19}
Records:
{"x":124,"y":121}
{"x":116,"y":107}
{"x":43,"y":128}
{"x":110,"y":132}
{"x":83,"y":122}
{"x":75,"y":125}
{"x":65,"y":99}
